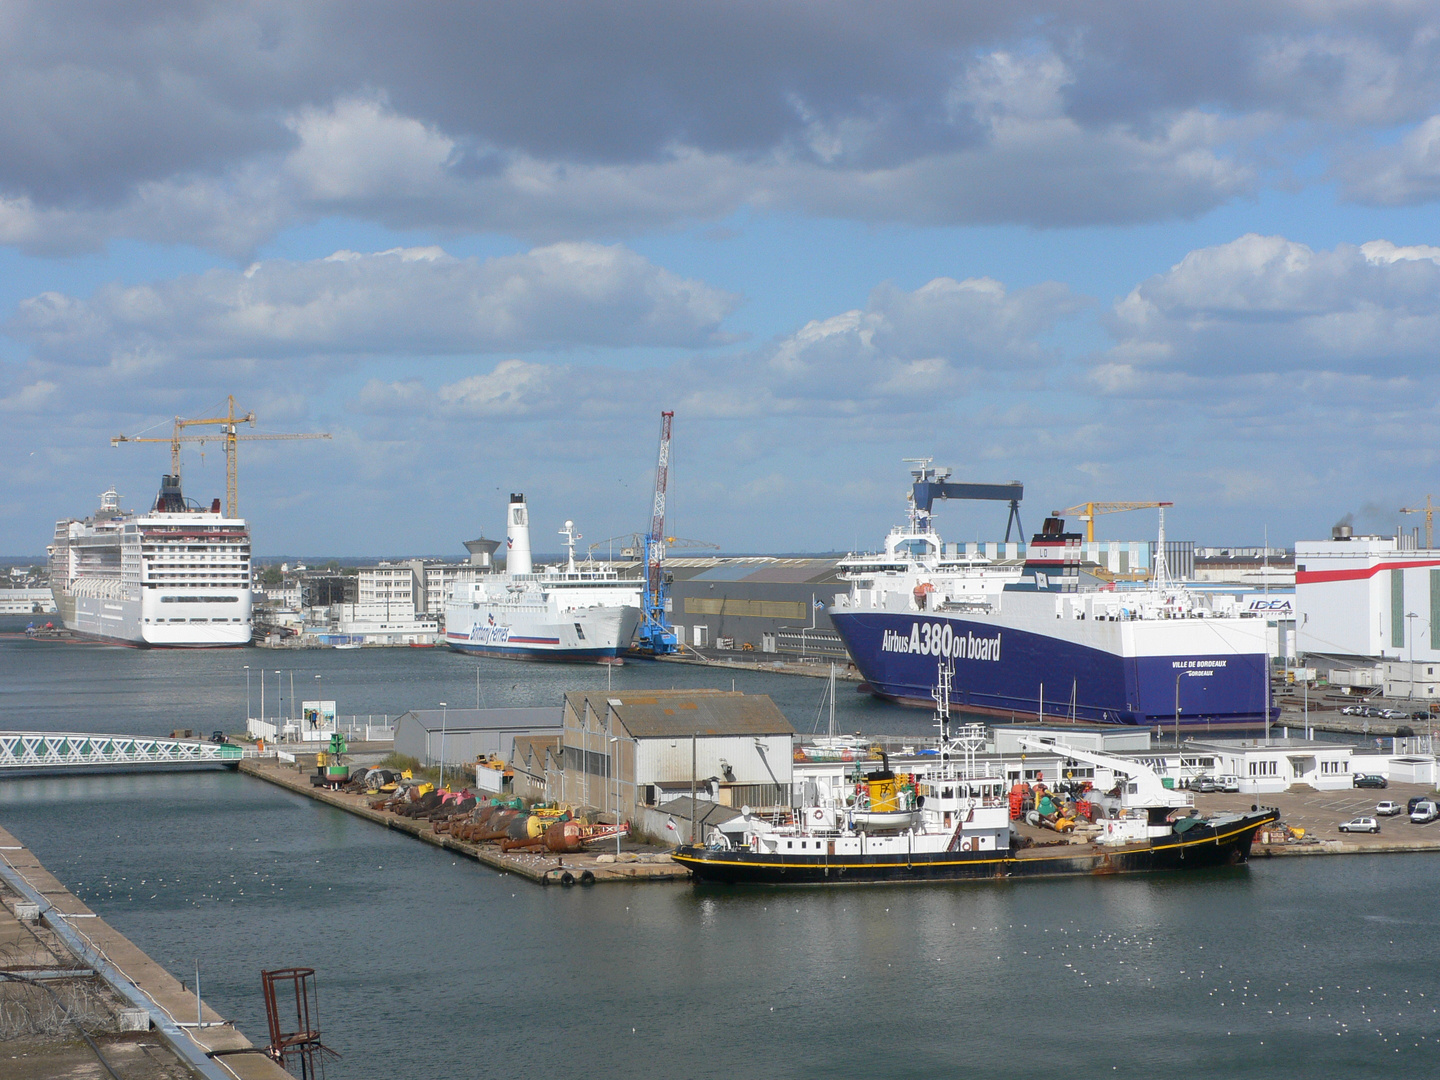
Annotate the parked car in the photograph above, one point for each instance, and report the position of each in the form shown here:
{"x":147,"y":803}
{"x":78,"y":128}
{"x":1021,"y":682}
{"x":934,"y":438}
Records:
{"x":1204,"y":783}
{"x":1228,"y":783}
{"x":1414,"y":802}
{"x":1390,"y":809}
{"x":1420,"y":714}
{"x":1370,"y":710}
{"x":1424,"y":813}
{"x":1393,"y":714}
{"x":1370,"y":780}
{"x":1350,"y":710}
{"x":1360,"y":824}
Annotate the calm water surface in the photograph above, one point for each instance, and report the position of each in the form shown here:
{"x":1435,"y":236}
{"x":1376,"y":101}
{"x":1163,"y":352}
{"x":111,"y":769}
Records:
{"x":435,"y":967}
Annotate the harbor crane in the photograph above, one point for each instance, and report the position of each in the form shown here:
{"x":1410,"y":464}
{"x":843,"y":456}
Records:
{"x":1429,"y":510}
{"x":931,"y":483}
{"x":633,"y":544}
{"x":657,"y":636}
{"x":1088,"y":512}
{"x":228,"y":436}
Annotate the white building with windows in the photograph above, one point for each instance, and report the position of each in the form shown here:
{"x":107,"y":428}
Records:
{"x":1267,"y":767}
{"x":414,"y":586}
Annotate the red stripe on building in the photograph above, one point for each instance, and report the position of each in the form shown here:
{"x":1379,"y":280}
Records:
{"x":1313,"y":577}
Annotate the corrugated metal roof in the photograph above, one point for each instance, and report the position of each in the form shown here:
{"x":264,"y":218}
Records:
{"x":457,"y":721}
{"x":677,"y":713}
{"x":803,"y":572}
{"x":688,"y":713}
{"x":729,"y":572}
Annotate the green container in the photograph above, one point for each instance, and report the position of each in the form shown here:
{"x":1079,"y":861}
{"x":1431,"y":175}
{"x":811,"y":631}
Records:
{"x":1168,"y":781}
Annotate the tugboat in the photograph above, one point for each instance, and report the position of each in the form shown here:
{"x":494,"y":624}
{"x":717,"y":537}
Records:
{"x":956,"y":824}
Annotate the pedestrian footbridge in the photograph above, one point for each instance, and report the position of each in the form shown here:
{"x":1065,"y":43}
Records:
{"x":29,"y":752}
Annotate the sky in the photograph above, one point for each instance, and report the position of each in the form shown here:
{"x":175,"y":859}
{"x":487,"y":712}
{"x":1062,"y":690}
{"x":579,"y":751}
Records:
{"x":1115,"y":251}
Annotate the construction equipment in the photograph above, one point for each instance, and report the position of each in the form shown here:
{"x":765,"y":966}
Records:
{"x":229,"y":437}
{"x":656,"y":634}
{"x":632,"y":545}
{"x":1429,"y":511}
{"x":931,"y":484}
{"x":1088,"y":512}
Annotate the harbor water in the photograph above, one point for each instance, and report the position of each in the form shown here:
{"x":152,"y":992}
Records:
{"x":440,"y":968}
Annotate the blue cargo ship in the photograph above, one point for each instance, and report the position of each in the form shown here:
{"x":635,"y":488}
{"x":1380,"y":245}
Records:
{"x":1037,"y":640}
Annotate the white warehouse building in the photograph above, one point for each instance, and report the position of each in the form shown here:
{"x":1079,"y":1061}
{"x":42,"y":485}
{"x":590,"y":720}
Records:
{"x":1368,"y":596}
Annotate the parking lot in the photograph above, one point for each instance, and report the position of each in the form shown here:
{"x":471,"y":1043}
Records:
{"x":1320,"y":812}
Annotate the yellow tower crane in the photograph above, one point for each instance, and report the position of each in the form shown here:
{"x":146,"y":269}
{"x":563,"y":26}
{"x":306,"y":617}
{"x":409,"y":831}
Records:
{"x":1088,"y":512}
{"x":228,"y":436}
{"x":1429,"y":510}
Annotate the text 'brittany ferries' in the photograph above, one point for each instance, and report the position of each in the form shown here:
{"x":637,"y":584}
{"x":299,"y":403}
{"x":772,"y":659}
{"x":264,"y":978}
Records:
{"x":939,"y":639}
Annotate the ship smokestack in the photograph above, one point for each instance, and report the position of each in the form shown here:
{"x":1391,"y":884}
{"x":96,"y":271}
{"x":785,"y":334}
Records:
{"x":517,"y":536}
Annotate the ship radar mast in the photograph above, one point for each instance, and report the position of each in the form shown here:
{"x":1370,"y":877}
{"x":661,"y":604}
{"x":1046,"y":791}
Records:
{"x":570,"y":537}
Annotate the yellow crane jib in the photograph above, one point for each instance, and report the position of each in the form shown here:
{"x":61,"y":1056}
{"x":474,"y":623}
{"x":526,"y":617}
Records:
{"x":228,"y":436}
{"x":1429,"y":510}
{"x":1088,"y":512}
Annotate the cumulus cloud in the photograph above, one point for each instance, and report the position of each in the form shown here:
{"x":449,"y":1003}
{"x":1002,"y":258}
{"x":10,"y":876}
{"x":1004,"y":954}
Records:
{"x":411,"y":301}
{"x":1403,"y":174}
{"x":219,"y":126}
{"x":1268,"y":304}
{"x":905,"y":353}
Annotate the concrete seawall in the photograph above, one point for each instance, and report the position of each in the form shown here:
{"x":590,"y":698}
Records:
{"x":134,"y":981}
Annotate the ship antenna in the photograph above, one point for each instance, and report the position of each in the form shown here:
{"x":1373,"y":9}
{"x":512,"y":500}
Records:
{"x":941,"y":694}
{"x":1162,"y":571}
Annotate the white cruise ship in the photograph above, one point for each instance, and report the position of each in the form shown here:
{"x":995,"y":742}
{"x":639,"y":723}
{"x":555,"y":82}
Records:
{"x":177,"y":575}
{"x":583,"y":612}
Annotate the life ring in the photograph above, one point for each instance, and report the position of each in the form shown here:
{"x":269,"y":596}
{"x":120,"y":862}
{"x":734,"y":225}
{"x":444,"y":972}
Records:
{"x":964,"y":845}
{"x":818,"y":814}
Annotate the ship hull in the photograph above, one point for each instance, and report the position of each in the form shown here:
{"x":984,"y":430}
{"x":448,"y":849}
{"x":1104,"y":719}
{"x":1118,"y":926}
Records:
{"x":1111,"y":673}
{"x":1202,"y":847}
{"x":596,"y":635}
{"x":122,"y":622}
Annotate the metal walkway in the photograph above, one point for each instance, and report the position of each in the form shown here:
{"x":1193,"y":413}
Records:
{"x":51,"y":751}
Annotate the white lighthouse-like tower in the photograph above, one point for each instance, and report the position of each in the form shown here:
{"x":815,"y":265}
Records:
{"x":517,"y":537}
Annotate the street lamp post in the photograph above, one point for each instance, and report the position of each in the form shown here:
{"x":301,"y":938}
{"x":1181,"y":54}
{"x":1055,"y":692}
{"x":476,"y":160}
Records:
{"x":247,"y":693}
{"x":279,"y":699}
{"x":1410,"y":617}
{"x":615,"y":768}
{"x":444,"y":710}
{"x":1178,"y":676}
{"x":320,"y":701}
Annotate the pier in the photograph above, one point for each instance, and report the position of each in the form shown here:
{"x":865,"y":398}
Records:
{"x":52,"y":938}
{"x":541,"y":868}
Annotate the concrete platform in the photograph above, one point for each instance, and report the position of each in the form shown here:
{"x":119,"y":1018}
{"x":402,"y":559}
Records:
{"x":543,"y":869}
{"x":27,"y":946}
{"x":1319,"y":812}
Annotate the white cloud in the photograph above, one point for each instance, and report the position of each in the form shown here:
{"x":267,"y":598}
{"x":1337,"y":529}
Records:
{"x":1265,"y":303}
{"x":400,"y":302}
{"x":1404,"y":174}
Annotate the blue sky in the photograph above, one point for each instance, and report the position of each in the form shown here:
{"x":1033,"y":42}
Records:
{"x":1113,"y":251}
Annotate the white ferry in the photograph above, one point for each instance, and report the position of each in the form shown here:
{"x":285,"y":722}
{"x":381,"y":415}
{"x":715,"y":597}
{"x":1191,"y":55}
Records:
{"x":576,"y":612}
{"x":176,"y":576}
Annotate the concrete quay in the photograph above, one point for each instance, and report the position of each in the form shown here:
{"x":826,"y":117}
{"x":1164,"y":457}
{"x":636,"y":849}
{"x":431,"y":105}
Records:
{"x":115,"y":985}
{"x":1320,"y":812}
{"x":543,"y":869}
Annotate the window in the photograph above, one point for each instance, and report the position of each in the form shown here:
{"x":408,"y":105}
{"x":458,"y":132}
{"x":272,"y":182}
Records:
{"x":1264,"y":768}
{"x":1334,"y":768}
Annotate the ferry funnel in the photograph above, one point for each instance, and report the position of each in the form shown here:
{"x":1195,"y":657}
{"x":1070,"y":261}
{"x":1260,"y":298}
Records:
{"x":517,"y":537}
